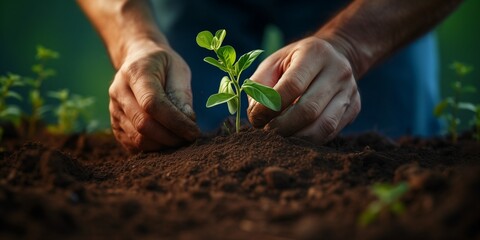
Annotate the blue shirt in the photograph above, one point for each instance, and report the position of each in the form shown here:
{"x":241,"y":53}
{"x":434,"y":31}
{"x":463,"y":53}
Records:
{"x":397,"y":96}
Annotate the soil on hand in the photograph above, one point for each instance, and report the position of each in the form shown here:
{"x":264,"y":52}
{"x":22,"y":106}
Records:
{"x":251,"y":185}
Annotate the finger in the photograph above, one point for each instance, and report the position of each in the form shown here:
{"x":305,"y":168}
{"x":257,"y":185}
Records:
{"x":126,"y":109}
{"x":348,"y":117}
{"x":178,"y":88}
{"x":300,"y":71}
{"x":308,"y":108}
{"x":132,"y":140}
{"x":335,"y":117}
{"x":152,"y":99}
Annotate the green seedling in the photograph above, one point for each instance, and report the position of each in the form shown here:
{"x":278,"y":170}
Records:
{"x":230,"y":86}
{"x":9,"y":112}
{"x":475,"y":122}
{"x":388,"y":198}
{"x":69,"y":111}
{"x":449,"y":107}
{"x":42,"y":73}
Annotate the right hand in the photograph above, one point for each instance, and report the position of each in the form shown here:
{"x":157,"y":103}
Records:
{"x":151,"y":99}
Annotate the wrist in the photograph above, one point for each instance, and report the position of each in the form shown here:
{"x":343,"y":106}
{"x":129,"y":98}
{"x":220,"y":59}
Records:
{"x":136,"y":45}
{"x":359,"y":56}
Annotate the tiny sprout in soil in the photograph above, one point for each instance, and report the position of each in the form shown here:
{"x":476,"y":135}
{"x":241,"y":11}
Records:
{"x":230,"y":86}
{"x":449,"y":107}
{"x":42,"y":73}
{"x":388,"y":198}
{"x":69,"y":110}
{"x":9,"y":112}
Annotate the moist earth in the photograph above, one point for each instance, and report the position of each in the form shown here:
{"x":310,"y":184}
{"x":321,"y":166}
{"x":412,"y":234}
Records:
{"x":250,"y":185}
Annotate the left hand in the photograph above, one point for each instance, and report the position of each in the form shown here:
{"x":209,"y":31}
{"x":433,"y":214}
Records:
{"x":318,"y":89}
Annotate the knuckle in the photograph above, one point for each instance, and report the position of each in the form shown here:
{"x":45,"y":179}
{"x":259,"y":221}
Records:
{"x":309,"y":111}
{"x":148,"y":102}
{"x":295,"y":85}
{"x":328,"y":125}
{"x":356,"y":106}
{"x":112,"y":90}
{"x":345,"y":70}
{"x":140,"y":122}
{"x":319,"y":46}
{"x":138,"y":140}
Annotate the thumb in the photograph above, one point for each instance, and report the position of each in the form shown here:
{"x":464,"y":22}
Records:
{"x":267,"y":74}
{"x":178,"y":89}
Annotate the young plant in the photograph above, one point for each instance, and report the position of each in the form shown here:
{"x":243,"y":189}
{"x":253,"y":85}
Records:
{"x":453,"y":104}
{"x":69,"y":111}
{"x":230,"y":86}
{"x":475,"y":119}
{"x":388,"y":198}
{"x":42,"y":73}
{"x":9,"y":112}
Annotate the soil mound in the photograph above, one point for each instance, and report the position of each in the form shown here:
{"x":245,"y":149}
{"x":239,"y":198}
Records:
{"x":251,"y":185}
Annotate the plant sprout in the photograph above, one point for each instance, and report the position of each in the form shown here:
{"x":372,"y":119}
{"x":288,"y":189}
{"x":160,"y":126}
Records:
{"x":230,"y":86}
{"x":475,"y":119}
{"x":8,"y":112}
{"x":70,"y":109}
{"x":42,"y":73}
{"x":388,"y":197}
{"x":453,"y":103}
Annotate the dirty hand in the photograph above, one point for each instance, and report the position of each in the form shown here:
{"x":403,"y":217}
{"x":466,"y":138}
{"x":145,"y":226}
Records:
{"x":318,"y":89}
{"x":151,"y":99}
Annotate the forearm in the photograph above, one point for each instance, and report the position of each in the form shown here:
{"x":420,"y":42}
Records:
{"x":121,"y":23}
{"x":370,"y":30}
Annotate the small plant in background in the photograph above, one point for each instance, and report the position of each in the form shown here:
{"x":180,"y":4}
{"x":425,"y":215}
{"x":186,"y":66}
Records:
{"x":388,"y":198}
{"x":9,"y":112}
{"x":69,"y":111}
{"x":230,"y":86}
{"x":475,"y":122}
{"x":449,"y":107}
{"x":42,"y":73}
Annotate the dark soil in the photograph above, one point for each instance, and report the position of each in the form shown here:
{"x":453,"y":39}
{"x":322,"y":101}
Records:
{"x":251,"y":185}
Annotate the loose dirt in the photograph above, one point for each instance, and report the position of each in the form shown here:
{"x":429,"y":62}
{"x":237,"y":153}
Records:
{"x":251,"y":185}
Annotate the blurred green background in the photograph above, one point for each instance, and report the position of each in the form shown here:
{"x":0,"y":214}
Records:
{"x":85,"y":68}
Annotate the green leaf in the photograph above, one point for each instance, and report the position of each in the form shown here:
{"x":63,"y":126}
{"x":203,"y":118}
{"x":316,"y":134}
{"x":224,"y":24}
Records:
{"x":267,"y":96}
{"x":226,"y":87}
{"x":246,"y":60}
{"x":232,"y":105}
{"x":11,"y":111}
{"x":44,"y":109}
{"x":467,"y":106}
{"x":44,"y":53}
{"x":219,"y":98}
{"x":215,"y":63}
{"x":214,"y":45}
{"x":461,"y":69}
{"x":14,"y":95}
{"x":61,"y":95}
{"x":227,"y":55}
{"x":397,"y":208}
{"x":16,"y":80}
{"x":388,"y":193}
{"x":370,"y":214}
{"x":440,"y":108}
{"x":204,"y":39}
{"x":220,"y":35}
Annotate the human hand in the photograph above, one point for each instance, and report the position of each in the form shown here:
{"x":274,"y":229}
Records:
{"x":318,"y":89}
{"x":151,"y":99}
